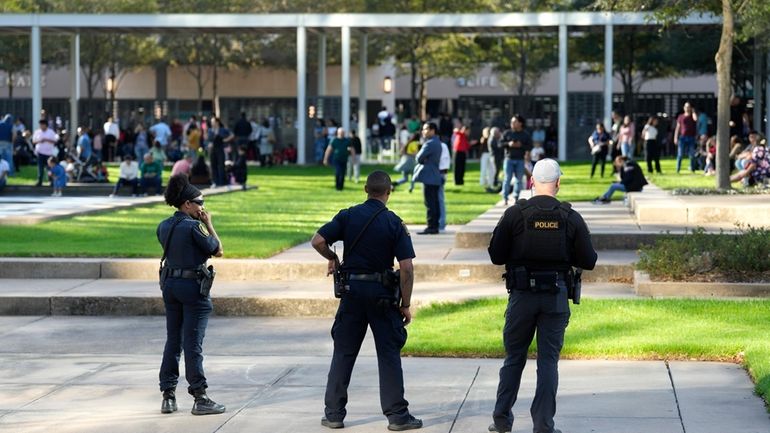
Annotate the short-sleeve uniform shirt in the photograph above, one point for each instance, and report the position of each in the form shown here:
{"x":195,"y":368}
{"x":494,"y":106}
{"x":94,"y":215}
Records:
{"x":191,"y":243}
{"x":387,"y":237}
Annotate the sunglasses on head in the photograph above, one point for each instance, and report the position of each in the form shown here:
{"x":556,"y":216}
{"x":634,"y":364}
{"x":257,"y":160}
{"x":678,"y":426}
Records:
{"x":197,"y":201}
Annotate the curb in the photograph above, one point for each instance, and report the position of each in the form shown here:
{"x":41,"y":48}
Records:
{"x":643,"y":286}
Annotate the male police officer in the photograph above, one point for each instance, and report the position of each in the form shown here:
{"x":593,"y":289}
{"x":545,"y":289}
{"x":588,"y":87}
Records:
{"x":372,"y":236}
{"x":538,"y":240}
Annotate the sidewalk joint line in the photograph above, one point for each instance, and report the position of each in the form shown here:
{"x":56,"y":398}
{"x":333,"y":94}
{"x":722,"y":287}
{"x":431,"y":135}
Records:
{"x":285,"y":373}
{"x":465,"y":398}
{"x":63,"y":385}
{"x":676,"y":397}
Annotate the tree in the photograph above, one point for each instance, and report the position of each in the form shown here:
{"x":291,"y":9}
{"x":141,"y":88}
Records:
{"x":639,"y":57}
{"x":753,"y":16}
{"x":15,"y":59}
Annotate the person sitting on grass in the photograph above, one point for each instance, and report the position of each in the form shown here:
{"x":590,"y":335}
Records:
{"x":631,"y":179}
{"x":757,"y":168}
{"x":151,"y":174}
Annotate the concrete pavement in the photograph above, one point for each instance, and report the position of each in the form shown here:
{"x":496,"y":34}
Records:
{"x":86,"y":374}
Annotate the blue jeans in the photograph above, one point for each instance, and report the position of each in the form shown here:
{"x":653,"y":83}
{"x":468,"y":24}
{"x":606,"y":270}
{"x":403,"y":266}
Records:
{"x":685,"y":144}
{"x":514,"y":169}
{"x":339,"y":174}
{"x":6,"y":153}
{"x":617,"y":186}
{"x":627,"y":149}
{"x":2,"y":183}
{"x":187,"y":315}
{"x":442,"y":204}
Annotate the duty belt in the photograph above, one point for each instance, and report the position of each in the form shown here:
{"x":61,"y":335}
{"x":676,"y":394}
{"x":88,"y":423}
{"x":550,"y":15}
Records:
{"x":190,"y":274}
{"x":376,"y":277}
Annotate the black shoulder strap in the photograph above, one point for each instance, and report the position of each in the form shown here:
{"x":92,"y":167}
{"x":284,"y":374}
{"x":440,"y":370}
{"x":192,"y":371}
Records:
{"x":168,"y":240}
{"x":355,"y":241}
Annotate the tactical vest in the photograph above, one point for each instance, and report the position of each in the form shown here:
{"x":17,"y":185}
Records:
{"x":544,"y":240}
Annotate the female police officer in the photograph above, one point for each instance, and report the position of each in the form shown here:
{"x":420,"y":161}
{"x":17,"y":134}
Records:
{"x":188,"y":239}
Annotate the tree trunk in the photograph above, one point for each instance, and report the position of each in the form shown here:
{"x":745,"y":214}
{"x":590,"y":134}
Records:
{"x":199,"y":81}
{"x":10,"y":85}
{"x":423,"y":96}
{"x":724,"y":60}
{"x":413,"y":83}
{"x":215,"y":88}
{"x":522,"y":66}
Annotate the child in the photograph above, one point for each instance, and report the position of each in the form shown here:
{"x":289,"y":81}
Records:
{"x":528,"y":166}
{"x":58,"y":176}
{"x":537,"y":152}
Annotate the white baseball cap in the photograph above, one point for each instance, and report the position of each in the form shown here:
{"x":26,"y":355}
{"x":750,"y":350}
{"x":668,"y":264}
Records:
{"x":546,"y":171}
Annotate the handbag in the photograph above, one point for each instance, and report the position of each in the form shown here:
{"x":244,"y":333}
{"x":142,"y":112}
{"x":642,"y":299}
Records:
{"x":596,"y":148}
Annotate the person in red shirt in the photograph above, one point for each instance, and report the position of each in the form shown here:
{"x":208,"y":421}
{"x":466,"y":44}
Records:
{"x":460,"y":147}
{"x":684,"y":136}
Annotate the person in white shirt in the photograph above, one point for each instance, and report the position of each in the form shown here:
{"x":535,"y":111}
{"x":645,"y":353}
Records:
{"x":111,"y":134}
{"x":129,"y":175}
{"x":651,"y":146}
{"x":443,"y":167}
{"x":44,"y":140}
{"x":5,"y":168}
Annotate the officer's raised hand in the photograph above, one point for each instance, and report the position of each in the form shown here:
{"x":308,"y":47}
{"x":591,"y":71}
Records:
{"x":333,"y":265}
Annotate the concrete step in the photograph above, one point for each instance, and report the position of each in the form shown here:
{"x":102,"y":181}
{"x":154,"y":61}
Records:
{"x":460,"y":265}
{"x":109,"y":297}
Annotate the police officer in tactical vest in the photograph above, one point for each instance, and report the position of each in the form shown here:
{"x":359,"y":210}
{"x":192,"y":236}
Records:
{"x":188,"y":240}
{"x":371,"y":294}
{"x":539,"y":241}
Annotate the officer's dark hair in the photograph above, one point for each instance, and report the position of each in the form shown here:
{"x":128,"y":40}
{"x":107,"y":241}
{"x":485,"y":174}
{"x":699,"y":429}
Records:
{"x":378,"y":183}
{"x":179,"y":190}
{"x":432,"y":126}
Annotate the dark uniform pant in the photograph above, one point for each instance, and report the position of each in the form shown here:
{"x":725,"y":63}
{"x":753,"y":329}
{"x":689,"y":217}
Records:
{"x":548,"y":313}
{"x":187,"y":315}
{"x":358,"y":309}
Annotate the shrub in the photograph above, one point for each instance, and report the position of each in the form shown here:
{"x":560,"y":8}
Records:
{"x":701,"y":256}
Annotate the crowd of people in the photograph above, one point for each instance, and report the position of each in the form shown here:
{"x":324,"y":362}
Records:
{"x":204,"y":149}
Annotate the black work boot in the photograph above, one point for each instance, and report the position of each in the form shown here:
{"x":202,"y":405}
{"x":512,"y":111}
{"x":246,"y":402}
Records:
{"x":204,"y":405}
{"x":332,"y":424}
{"x":411,"y":423}
{"x":169,"y":401}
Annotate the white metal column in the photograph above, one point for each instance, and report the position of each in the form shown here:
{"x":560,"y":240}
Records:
{"x":35,"y":64}
{"x":74,"y":87}
{"x":362,"y":67}
{"x":346,"y":79}
{"x":322,"y":64}
{"x":301,"y":92}
{"x":608,"y":71}
{"x":756,"y":82}
{"x":562,"y":92}
{"x":767,"y":97}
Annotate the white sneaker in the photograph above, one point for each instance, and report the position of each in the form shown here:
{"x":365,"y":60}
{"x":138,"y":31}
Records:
{"x":112,"y":195}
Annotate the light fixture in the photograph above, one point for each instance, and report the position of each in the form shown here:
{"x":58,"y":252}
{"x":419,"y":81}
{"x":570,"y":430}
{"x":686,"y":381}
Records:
{"x":387,"y":84}
{"x":109,"y":85}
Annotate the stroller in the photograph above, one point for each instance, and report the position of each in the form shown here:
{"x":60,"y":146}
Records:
{"x":82,"y":171}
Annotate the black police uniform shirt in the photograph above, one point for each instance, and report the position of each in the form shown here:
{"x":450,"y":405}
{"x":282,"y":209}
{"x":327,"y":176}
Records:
{"x":385,"y":238}
{"x":504,"y":248}
{"x":191,"y":243}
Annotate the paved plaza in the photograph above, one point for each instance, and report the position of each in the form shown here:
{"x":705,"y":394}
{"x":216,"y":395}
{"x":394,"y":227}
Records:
{"x":97,"y":374}
{"x":81,"y":354}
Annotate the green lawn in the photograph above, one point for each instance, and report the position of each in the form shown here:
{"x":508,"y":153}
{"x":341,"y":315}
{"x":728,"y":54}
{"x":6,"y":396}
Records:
{"x":613,"y":329}
{"x":290,"y":204}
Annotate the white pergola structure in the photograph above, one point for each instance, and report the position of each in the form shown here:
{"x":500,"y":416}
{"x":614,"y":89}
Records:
{"x":363,"y":24}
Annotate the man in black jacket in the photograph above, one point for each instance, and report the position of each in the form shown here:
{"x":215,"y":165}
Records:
{"x":539,"y":241}
{"x":631,"y":179}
